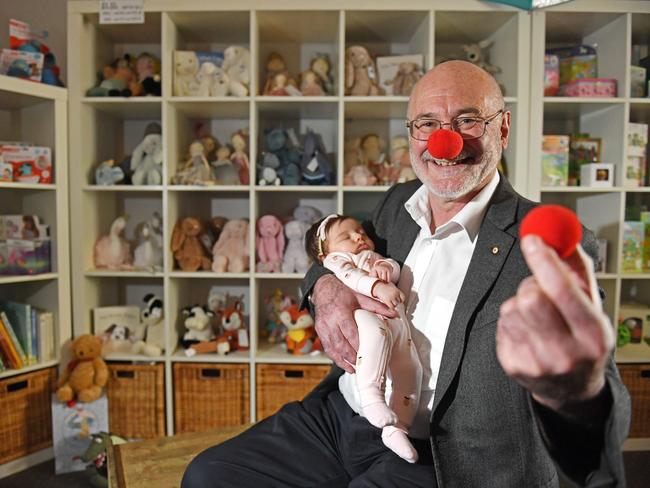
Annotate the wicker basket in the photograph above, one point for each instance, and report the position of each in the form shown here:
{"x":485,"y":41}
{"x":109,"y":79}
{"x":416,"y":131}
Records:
{"x":136,"y":400}
{"x":209,"y":395}
{"x":278,"y":384}
{"x":26,"y":414}
{"x":637,"y":379}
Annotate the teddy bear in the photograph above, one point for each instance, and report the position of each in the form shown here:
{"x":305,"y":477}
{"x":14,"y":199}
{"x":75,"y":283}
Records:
{"x":360,"y":73}
{"x":186,"y":68}
{"x":269,"y":243}
{"x":86,"y":374}
{"x":213,"y":81}
{"x":147,"y":158}
{"x":301,"y":335}
{"x":230,"y":252}
{"x":295,"y":258}
{"x":236,"y":66}
{"x":188,"y":251}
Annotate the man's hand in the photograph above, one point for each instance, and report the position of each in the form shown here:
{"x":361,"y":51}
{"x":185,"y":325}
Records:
{"x":552,"y":336}
{"x":335,"y":304}
{"x":381,"y":270}
{"x":388,"y":294}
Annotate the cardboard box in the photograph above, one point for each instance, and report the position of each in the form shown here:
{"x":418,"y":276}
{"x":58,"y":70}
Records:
{"x":637,"y":81}
{"x":555,"y":160}
{"x":637,"y":139}
{"x":633,"y":239}
{"x":31,"y":164}
{"x":597,"y":175}
{"x":634,"y":171}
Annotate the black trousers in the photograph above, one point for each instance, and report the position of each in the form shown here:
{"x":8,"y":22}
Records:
{"x":319,"y":442}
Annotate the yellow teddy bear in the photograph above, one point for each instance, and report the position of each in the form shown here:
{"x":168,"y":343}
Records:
{"x":86,"y":374}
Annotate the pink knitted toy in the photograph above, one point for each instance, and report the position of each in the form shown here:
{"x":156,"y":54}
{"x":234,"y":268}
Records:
{"x":270,"y":244}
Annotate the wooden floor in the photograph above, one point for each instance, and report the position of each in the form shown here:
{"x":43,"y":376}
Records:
{"x":160,"y":462}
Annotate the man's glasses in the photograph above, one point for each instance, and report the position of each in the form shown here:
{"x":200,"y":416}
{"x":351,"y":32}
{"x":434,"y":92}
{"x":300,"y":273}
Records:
{"x":469,"y":127}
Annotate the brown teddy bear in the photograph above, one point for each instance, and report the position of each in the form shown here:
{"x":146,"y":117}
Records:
{"x":86,"y":374}
{"x":186,"y":245}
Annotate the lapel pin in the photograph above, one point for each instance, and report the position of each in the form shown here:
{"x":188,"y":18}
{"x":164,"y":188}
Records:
{"x":495,"y":250}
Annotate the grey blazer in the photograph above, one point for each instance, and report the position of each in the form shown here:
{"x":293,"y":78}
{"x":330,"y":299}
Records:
{"x":486,"y":431}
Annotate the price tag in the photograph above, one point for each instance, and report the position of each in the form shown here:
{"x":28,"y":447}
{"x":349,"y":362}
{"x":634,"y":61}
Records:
{"x":121,"y":11}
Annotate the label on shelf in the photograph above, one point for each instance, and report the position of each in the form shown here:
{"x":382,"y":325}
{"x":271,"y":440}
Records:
{"x":121,"y":11}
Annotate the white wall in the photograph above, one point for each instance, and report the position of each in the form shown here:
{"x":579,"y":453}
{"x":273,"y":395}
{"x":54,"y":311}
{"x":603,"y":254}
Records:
{"x":49,"y":15}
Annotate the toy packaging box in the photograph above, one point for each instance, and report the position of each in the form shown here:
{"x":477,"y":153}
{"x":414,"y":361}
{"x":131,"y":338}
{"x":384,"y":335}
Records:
{"x":582,"y":150}
{"x":555,"y":160}
{"x":633,"y":337}
{"x":551,"y":75}
{"x":24,"y":245}
{"x":645,"y":218}
{"x":6,"y":170}
{"x":72,"y":428}
{"x":597,"y":175}
{"x":634,"y":174}
{"x":21,"y":64}
{"x":388,"y":68}
{"x":590,"y":87}
{"x":30,"y":164}
{"x":633,"y":239}
{"x":637,"y":81}
{"x":576,"y":62}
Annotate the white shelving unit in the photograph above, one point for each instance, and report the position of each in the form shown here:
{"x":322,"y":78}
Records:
{"x":614,"y":27}
{"x":38,"y":113}
{"x":105,"y":128}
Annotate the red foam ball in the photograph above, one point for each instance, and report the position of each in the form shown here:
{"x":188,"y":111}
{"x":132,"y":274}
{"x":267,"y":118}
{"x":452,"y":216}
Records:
{"x":445,"y":144}
{"x":558,"y":227}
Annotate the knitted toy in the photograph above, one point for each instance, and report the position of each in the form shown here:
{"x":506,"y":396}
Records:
{"x":197,"y":322}
{"x":269,"y":243}
{"x":230,"y":252}
{"x":301,"y":336}
{"x":97,"y":472}
{"x":147,"y":158}
{"x":295,"y":259}
{"x":152,"y":317}
{"x":86,"y":374}
{"x":188,"y":251}
{"x":113,"y":251}
{"x":315,"y":167}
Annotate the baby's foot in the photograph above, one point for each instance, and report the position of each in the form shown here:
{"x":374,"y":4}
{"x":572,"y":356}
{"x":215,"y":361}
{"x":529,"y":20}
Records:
{"x":379,"y":414}
{"x":396,"y":440}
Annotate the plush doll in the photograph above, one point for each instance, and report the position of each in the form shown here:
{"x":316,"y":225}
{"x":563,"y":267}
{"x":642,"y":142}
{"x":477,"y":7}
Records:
{"x":276,"y":331}
{"x":210,"y":144}
{"x":236,"y":65}
{"x":197,"y":322}
{"x":301,"y":335}
{"x":401,"y":158}
{"x":321,"y":66}
{"x":196,"y":170}
{"x":360,"y":73}
{"x":283,"y":145}
{"x":117,"y":80}
{"x":310,"y":84}
{"x":295,"y":258}
{"x":147,"y":67}
{"x":405,"y":79}
{"x":97,"y":456}
{"x":116,"y":339}
{"x":233,"y":336}
{"x":223,"y":169}
{"x":275,"y":65}
{"x":51,"y":74}
{"x":152,"y":317}
{"x":108,"y":174}
{"x":315,"y":167}
{"x":230,"y":252}
{"x":307,"y":214}
{"x":148,"y":255}
{"x":113,"y":251}
{"x":279,"y":86}
{"x":270,"y":244}
{"x":147,"y":158}
{"x":213,"y":81}
{"x":86,"y":374}
{"x":359,"y":175}
{"x":477,"y":54}
{"x":268,"y":170}
{"x":186,"y":67}
{"x":186,"y":245}
{"x":239,"y":157}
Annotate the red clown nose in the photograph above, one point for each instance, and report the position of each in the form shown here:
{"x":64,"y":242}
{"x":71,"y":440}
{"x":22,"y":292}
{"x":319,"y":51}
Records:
{"x":445,"y":144}
{"x":558,"y":227}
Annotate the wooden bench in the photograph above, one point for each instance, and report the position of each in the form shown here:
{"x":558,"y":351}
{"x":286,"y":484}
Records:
{"x":160,"y":462}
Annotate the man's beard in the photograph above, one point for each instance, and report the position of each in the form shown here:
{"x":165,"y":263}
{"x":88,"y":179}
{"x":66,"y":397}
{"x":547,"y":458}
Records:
{"x":473,"y":174}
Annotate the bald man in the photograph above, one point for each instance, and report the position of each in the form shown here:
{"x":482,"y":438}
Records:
{"x":519,"y":381}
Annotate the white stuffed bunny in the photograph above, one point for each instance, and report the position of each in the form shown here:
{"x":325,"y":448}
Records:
{"x":236,"y":65}
{"x":295,"y":257}
{"x":146,"y":161}
{"x":213,"y":81}
{"x":186,"y":68}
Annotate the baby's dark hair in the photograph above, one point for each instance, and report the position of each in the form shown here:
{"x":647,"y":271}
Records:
{"x":311,"y":237}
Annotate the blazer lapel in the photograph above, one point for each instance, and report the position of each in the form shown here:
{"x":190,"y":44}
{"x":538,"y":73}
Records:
{"x":492,"y":248}
{"x":403,"y":235}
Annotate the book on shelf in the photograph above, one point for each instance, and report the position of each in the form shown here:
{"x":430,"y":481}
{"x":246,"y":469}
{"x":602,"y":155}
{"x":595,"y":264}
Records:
{"x":46,"y":344}
{"x":9,"y":343}
{"x":20,"y":318}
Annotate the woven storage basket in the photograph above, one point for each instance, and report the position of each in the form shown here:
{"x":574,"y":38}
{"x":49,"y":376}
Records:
{"x":278,"y":384}
{"x":209,"y":395}
{"x":26,"y":413}
{"x":637,"y":379}
{"x":136,"y":400}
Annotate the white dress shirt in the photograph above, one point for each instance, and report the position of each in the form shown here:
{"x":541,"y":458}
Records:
{"x":431,"y":279}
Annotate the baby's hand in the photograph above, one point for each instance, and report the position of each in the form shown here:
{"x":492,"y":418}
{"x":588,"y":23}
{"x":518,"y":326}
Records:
{"x":388,"y":294}
{"x":381,"y":270}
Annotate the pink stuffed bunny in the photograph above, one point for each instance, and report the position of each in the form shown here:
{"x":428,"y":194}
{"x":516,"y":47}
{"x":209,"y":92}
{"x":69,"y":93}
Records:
{"x":230,"y":252}
{"x":270,"y":244}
